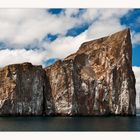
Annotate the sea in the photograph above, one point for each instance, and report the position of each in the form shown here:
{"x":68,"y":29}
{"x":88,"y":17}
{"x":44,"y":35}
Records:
{"x":104,"y":123}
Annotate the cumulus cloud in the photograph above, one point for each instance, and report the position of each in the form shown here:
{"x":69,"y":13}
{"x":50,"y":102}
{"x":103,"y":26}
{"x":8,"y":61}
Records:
{"x":137,"y":75}
{"x":135,"y":38}
{"x":101,"y":25}
{"x":108,"y":22}
{"x":64,"y":46}
{"x":21,"y":55}
{"x":20,"y":27}
{"x":102,"y":28}
{"x":26,"y":28}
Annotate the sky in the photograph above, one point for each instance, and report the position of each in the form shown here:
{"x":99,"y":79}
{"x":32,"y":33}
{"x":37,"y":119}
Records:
{"x":42,"y":36}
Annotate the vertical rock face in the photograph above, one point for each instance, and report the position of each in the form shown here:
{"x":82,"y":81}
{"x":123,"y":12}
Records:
{"x":22,"y":90}
{"x":97,"y":79}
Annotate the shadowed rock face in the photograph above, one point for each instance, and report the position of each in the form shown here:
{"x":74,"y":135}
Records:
{"x":96,"y":80}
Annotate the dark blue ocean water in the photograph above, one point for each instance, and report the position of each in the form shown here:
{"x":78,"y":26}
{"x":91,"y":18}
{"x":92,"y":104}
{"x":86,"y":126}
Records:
{"x":111,"y":123}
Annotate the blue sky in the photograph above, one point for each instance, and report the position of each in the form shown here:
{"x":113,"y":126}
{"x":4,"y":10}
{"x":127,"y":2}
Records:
{"x":131,"y":20}
{"x":42,"y":36}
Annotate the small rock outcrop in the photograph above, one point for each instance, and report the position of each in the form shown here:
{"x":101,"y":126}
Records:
{"x":96,"y":80}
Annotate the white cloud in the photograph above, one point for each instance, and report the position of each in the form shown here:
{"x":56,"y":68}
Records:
{"x":102,"y":28}
{"x":70,"y":12}
{"x":22,"y":26}
{"x":137,"y":76}
{"x":102,"y":24}
{"x":113,"y":13}
{"x":19,"y":56}
{"x":64,"y":46}
{"x":108,"y":22}
{"x":136,"y":38}
{"x":91,"y":15}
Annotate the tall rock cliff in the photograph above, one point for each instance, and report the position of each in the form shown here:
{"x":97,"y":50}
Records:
{"x":23,"y":90}
{"x":96,"y":80}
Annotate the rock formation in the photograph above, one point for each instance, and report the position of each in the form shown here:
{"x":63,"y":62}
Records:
{"x":96,"y":80}
{"x":23,"y":90}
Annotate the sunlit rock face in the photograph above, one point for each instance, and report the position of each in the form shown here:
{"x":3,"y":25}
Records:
{"x":23,"y":89}
{"x":97,"y":79}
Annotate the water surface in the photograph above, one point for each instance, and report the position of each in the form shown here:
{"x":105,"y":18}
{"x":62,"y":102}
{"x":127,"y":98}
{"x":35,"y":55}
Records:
{"x":110,"y":123}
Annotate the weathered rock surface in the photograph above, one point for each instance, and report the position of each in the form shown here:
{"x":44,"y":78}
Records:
{"x":96,"y":80}
{"x":23,"y":90}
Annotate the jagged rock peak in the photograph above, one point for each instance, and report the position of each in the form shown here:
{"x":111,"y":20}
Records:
{"x":118,"y":37}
